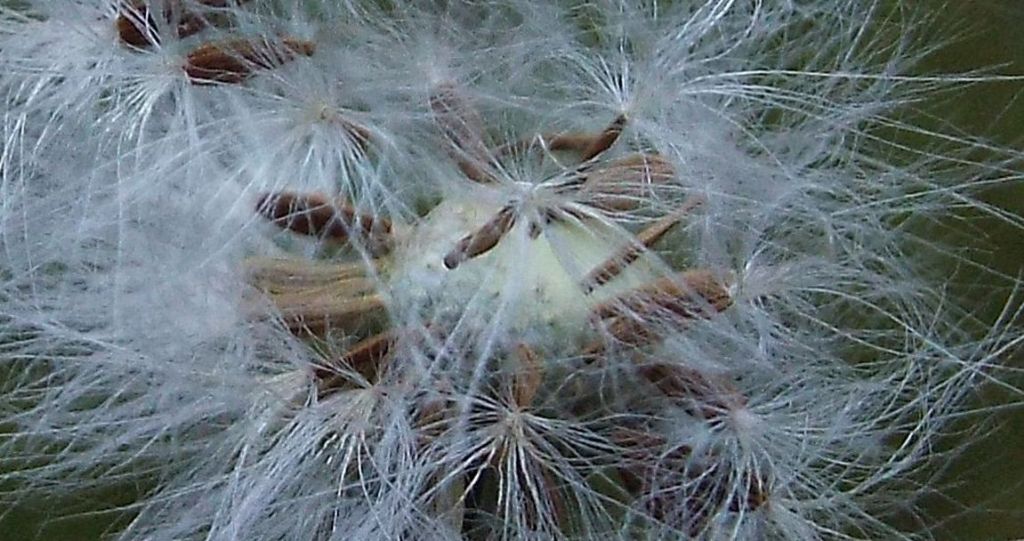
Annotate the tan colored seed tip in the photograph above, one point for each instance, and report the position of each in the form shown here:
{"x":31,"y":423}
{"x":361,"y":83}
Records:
{"x":606,"y":139}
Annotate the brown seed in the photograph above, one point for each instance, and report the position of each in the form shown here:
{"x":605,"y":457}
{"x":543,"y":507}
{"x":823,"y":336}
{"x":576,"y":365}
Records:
{"x":316,"y":215}
{"x":690,"y":295}
{"x":314,"y":294}
{"x":483,"y":239}
{"x":528,"y":376}
{"x":314,"y":297}
{"x":431,"y":417}
{"x":624,"y":184}
{"x":555,"y":142}
{"x":640,"y":449}
{"x":630,"y":331}
{"x":462,"y":125}
{"x":137,"y":27}
{"x":710,"y":397}
{"x":309,"y":214}
{"x":605,"y":139}
{"x":234,"y":61}
{"x":367,"y":353}
{"x":316,"y":314}
{"x":758,"y":493}
{"x":554,"y":497}
{"x":296,"y":275}
{"x":364,"y":357}
{"x":357,"y":133}
{"x":618,"y":262}
{"x":344,"y":297}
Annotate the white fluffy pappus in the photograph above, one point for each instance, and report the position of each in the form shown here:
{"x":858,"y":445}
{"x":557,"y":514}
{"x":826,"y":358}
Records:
{"x":482,"y":270}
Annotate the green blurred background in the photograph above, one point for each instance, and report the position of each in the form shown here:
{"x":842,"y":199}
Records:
{"x":983,"y":490}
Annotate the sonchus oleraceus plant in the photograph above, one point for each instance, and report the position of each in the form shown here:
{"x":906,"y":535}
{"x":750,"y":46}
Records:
{"x":521,"y":269}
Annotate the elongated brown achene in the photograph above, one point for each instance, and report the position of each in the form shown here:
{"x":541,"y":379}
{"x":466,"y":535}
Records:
{"x":691,"y":295}
{"x":483,"y":239}
{"x":363,"y":357}
{"x":708,"y":397}
{"x":626,"y":183}
{"x":292,"y":275}
{"x":640,"y":316}
{"x":316,"y":215}
{"x":308,"y":214}
{"x":234,"y":61}
{"x":556,"y":142}
{"x":319,"y":311}
{"x":463,"y":127}
{"x":135,"y":26}
{"x":644,"y":240}
{"x":605,"y":139}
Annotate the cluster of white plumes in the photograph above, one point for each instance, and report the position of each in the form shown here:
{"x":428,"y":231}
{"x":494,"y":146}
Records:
{"x":509,"y":269}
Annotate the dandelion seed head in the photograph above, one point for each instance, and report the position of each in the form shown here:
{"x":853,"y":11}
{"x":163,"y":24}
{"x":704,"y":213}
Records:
{"x":513,"y":270}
